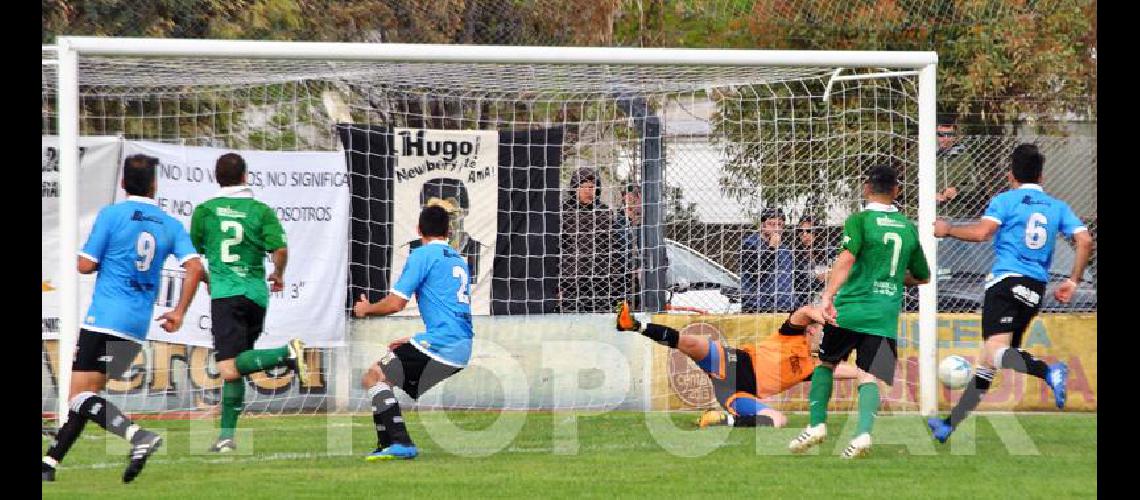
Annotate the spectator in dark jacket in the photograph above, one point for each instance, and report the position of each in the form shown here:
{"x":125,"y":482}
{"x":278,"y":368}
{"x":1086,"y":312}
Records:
{"x":767,"y":268}
{"x":628,"y":225}
{"x":592,"y":271}
{"x":812,"y":258}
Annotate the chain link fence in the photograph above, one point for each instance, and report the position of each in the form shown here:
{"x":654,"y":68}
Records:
{"x":971,"y":170}
{"x":705,"y":223}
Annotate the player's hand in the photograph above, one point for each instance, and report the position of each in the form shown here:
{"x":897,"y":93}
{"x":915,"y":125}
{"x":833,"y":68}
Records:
{"x":360,"y":309}
{"x":276,"y":284}
{"x":829,"y":312}
{"x":948,"y":194}
{"x":171,"y":321}
{"x":941,"y":228}
{"x":1064,"y":292}
{"x":816,"y":315}
{"x":398,"y":342}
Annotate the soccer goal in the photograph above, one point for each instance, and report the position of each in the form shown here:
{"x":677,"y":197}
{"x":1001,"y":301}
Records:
{"x":579,"y":176}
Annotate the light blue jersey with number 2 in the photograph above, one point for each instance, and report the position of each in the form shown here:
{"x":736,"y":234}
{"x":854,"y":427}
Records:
{"x":1029,"y":223}
{"x":439,"y":278}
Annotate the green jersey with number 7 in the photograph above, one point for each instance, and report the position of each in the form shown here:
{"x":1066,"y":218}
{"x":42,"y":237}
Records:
{"x":885,"y":246}
{"x":235,"y":231}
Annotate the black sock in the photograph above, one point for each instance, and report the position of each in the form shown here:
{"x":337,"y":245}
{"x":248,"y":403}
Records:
{"x":662,"y":334}
{"x":107,"y":415}
{"x":1021,"y":361}
{"x":66,"y":436}
{"x":386,"y":415}
{"x":983,"y":377}
{"x":383,"y":438}
{"x":752,"y":421}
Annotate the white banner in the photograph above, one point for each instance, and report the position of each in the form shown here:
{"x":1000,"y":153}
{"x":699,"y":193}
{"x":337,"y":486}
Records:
{"x":98,"y":172}
{"x":459,"y":167}
{"x":309,"y":192}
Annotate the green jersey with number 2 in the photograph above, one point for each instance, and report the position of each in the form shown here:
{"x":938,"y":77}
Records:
{"x":885,"y":246}
{"x":234,"y":231}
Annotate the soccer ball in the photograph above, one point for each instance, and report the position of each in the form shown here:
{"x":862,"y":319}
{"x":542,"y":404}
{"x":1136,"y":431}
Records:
{"x":954,"y":372}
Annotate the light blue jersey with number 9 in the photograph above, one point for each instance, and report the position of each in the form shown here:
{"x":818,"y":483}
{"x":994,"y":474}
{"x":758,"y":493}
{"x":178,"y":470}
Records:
{"x":1030,"y":222}
{"x":130,"y":241}
{"x":439,"y":278}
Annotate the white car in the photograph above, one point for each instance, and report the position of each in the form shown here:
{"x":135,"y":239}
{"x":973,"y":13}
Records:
{"x":697,"y":284}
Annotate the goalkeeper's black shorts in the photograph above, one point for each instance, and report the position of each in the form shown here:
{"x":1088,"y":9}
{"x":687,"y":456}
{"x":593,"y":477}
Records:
{"x":413,"y":371}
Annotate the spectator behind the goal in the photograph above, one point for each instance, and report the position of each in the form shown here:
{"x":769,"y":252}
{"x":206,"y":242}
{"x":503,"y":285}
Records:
{"x":813,"y":254}
{"x":592,"y":272}
{"x":767,"y":267}
{"x":964,"y":185}
{"x":628,"y":225}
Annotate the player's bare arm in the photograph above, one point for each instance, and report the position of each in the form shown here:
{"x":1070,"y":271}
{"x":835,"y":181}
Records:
{"x":172,"y":320}
{"x":1064,"y":292}
{"x":835,"y":281}
{"x":910,"y":280}
{"x":85,"y":265}
{"x":977,"y":231}
{"x":807,"y":315}
{"x":388,"y":305}
{"x":280,"y":257}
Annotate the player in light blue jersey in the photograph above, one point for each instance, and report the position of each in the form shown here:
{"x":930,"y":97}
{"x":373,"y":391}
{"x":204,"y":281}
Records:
{"x":127,"y":246}
{"x":1026,"y":222}
{"x":438,"y":277}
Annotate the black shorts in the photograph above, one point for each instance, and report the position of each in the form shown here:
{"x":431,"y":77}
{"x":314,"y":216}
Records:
{"x":1010,"y":306}
{"x":104,"y":353}
{"x":730,"y":372}
{"x":236,"y":323}
{"x":875,"y":354}
{"x":413,"y":371}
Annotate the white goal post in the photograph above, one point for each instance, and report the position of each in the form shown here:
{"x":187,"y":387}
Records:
{"x":70,"y":52}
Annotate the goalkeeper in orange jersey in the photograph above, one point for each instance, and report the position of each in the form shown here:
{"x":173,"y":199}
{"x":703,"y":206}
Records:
{"x":744,"y":375}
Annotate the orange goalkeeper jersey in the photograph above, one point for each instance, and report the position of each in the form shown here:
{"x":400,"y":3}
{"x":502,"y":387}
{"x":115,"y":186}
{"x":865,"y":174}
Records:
{"x":780,"y":361}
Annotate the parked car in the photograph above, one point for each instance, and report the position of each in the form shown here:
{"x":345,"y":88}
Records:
{"x":696,"y":282}
{"x":963,"y":267}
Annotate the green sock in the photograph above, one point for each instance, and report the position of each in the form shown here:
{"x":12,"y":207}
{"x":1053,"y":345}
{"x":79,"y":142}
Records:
{"x":233,"y":396}
{"x":255,"y":360}
{"x":868,"y":406}
{"x":821,"y":382}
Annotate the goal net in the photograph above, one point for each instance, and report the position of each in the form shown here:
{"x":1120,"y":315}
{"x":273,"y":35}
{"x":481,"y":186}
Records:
{"x":707,"y":191}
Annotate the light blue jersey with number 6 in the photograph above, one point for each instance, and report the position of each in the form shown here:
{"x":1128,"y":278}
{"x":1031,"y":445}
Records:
{"x":130,"y":241}
{"x":439,"y":278}
{"x":1029,"y":223}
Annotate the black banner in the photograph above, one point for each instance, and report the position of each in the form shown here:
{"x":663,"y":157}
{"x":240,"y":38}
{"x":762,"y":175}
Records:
{"x":525,"y":272}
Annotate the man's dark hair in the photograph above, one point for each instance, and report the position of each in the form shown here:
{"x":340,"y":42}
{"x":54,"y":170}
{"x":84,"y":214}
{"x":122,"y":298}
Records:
{"x":229,"y":169}
{"x":632,"y":188}
{"x":882,"y":178}
{"x":138,"y":174}
{"x":444,"y":188}
{"x":1026,"y":163}
{"x":434,"y":222}
{"x":947,"y":119}
{"x":771,"y":213}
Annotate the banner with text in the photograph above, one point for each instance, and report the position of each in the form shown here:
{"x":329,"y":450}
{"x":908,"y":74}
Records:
{"x":309,"y":192}
{"x":460,"y":169}
{"x":98,"y":171}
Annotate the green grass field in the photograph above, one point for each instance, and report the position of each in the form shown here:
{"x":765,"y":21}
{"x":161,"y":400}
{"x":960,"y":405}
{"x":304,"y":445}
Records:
{"x":1031,"y":456}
